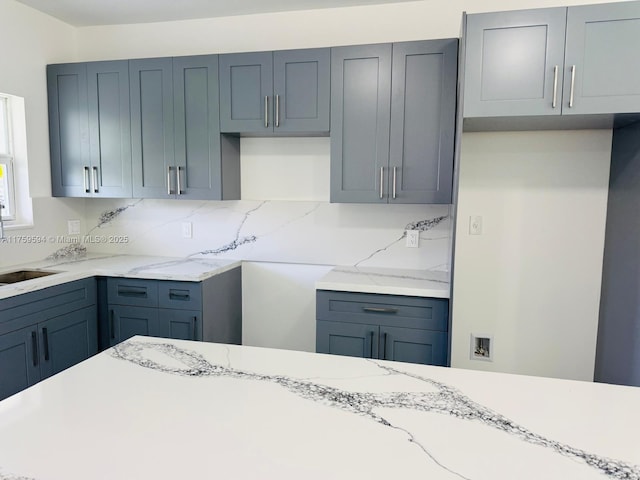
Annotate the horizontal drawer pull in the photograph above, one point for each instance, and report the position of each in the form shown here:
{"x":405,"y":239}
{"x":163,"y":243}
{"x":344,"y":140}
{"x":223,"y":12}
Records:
{"x":379,"y":310}
{"x":179,"y":296}
{"x":132,"y":292}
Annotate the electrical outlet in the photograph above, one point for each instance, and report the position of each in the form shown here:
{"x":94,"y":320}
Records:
{"x":73,"y":227}
{"x":413,"y":238}
{"x":187,"y":230}
{"x":475,"y":225}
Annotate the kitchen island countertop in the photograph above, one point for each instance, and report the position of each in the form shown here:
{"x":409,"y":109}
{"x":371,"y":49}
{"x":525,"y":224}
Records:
{"x":166,"y":409}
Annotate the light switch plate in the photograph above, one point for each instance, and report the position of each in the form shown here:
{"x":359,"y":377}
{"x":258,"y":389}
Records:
{"x":413,"y":238}
{"x":187,"y":230}
{"x":475,"y":225}
{"x":73,"y":227}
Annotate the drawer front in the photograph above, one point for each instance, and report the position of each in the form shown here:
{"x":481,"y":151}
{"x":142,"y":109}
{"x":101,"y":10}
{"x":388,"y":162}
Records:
{"x":180,"y":295}
{"x":130,"y":291}
{"x":389,"y":310}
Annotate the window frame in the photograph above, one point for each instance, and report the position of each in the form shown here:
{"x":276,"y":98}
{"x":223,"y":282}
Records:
{"x":8,"y":159}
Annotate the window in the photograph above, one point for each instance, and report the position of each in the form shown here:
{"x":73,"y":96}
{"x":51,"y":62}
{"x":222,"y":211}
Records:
{"x":7,"y":193}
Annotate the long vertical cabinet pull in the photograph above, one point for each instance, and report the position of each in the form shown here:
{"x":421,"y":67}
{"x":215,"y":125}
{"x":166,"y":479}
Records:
{"x":371,"y":345}
{"x":169,"y":192}
{"x":195,"y":328}
{"x":85,"y":179}
{"x":95,"y":179}
{"x":573,"y":83}
{"x":45,"y":339}
{"x":112,"y":325}
{"x":384,"y":346}
{"x":178,"y":182}
{"x":266,"y":111}
{"x":395,"y":176}
{"x":554,"y":103}
{"x":34,"y":348}
{"x":381,"y":180}
{"x":277,"y":111}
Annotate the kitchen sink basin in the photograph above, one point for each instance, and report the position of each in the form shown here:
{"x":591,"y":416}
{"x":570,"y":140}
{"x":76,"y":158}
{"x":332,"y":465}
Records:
{"x":22,"y":275}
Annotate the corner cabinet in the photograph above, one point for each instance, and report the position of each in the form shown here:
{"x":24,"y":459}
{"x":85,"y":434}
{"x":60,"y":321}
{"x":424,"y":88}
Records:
{"x":89,"y":129}
{"x":393,"y":122}
{"x":555,"y":61}
{"x":270,"y":93}
{"x":385,"y":327}
{"x":45,"y":332}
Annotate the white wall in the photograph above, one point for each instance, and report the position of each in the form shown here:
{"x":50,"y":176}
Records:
{"x":31,"y":40}
{"x":532,"y":279}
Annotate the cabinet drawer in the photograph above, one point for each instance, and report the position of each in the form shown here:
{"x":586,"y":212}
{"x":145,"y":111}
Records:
{"x":128,"y":291}
{"x":390,"y":310}
{"x":180,"y":295}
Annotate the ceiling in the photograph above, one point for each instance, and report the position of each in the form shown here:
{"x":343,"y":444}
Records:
{"x":112,"y":12}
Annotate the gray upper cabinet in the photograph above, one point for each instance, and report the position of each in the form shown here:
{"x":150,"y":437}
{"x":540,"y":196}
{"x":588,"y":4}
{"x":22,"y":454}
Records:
{"x":360,"y":118}
{"x":393,"y":122}
{"x":514,"y":63}
{"x":266,"y":93}
{"x":151,"y":82}
{"x":90,"y":129}
{"x":423,"y":105}
{"x":602,"y":67}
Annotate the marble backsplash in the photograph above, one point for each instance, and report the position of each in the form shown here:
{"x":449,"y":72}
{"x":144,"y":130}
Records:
{"x":316,"y":233}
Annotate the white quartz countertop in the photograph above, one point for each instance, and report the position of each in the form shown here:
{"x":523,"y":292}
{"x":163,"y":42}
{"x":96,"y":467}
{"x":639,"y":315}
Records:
{"x":391,"y":281}
{"x":132,"y":266}
{"x":169,"y":409}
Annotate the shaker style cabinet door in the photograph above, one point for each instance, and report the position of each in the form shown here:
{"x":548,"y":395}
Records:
{"x":414,"y":346}
{"x":246,"y":85}
{"x":126,"y":321}
{"x":602,"y":67}
{"x":152,"y":134}
{"x":68,"y":129}
{"x":180,"y":324}
{"x":514,"y":63}
{"x":109,"y":129}
{"x":19,"y":361}
{"x":351,"y":339}
{"x":301,"y":90}
{"x":423,"y":106}
{"x":360,"y":113}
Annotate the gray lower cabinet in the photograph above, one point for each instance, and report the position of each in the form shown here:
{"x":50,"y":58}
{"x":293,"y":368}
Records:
{"x":386,"y":327}
{"x":555,"y":61}
{"x":393,"y":122}
{"x":89,"y":128}
{"x":281,"y":93}
{"x":210,"y":310}
{"x":45,"y":332}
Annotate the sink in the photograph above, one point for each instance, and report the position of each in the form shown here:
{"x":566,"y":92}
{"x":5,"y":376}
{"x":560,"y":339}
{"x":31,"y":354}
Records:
{"x":22,"y":275}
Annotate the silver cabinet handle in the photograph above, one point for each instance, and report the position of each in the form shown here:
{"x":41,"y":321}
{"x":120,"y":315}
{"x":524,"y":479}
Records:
{"x":555,"y":87}
{"x":266,"y":111}
{"x":381,"y":175}
{"x":85,"y":179}
{"x":169,"y":191}
{"x":573,"y":82}
{"x":277,"y":111}
{"x":178,"y":182}
{"x":95,"y":179}
{"x":395,"y":176}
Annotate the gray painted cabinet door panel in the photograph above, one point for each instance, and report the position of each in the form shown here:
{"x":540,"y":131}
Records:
{"x":423,"y":106}
{"x":602,"y":44}
{"x":360,"y":115}
{"x":180,"y":324}
{"x":351,"y":339}
{"x":68,"y":129}
{"x":511,"y":62}
{"x":129,"y":321}
{"x":414,"y":346}
{"x":152,"y":134}
{"x":19,"y":361}
{"x":246,"y":83}
{"x":109,"y":128}
{"x":197,"y":127}
{"x":301,"y":81}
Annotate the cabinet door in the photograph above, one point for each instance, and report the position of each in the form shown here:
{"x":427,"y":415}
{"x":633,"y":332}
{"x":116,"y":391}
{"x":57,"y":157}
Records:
{"x":512,"y":59}
{"x":180,"y":324}
{"x":151,"y":87}
{"x":360,"y":111}
{"x":413,"y":345}
{"x":19,"y":361}
{"x":602,"y":53}
{"x":68,"y":129}
{"x":197,"y":127}
{"x":67,"y":339}
{"x":109,"y":128}
{"x":246,"y":88}
{"x":352,"y":339}
{"x":126,"y":322}
{"x":301,"y":90}
{"x":423,"y":106}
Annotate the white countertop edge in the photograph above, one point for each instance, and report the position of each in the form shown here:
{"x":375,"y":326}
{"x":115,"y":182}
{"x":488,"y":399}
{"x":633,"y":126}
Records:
{"x":434,"y":292}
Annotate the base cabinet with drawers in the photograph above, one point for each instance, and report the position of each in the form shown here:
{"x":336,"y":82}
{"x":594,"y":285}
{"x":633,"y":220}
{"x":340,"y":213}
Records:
{"x":386,"y":327}
{"x":45,"y":332}
{"x":210,"y":310}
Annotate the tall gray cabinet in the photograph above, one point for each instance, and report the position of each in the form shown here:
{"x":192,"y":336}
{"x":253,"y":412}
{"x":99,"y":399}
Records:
{"x":393,"y":121}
